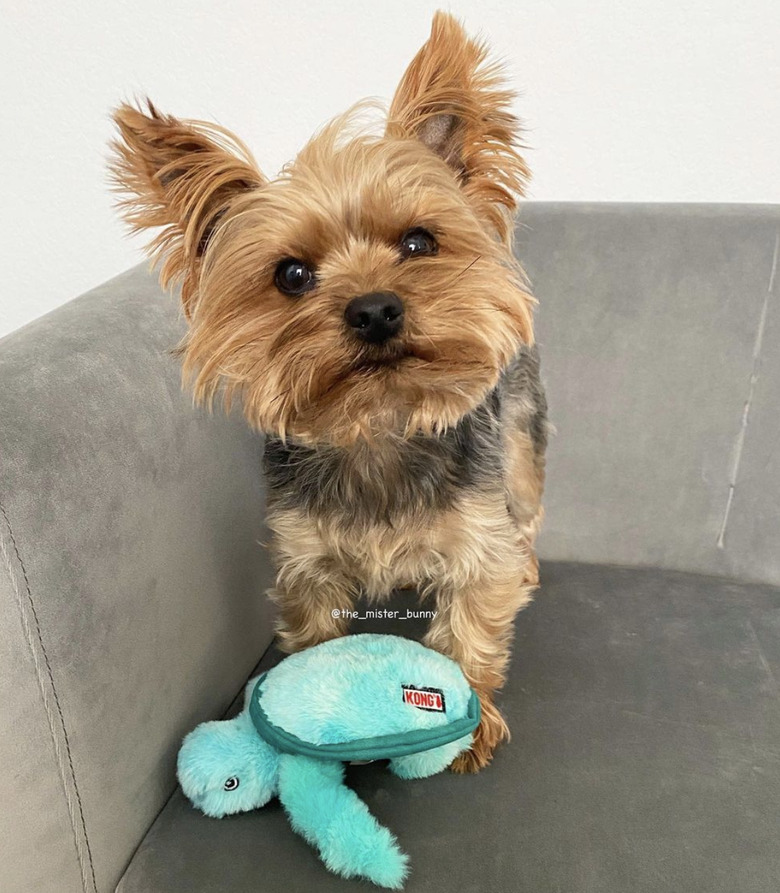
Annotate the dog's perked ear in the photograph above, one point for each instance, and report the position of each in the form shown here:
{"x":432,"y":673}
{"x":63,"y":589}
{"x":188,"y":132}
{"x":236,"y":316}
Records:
{"x":183,"y":176}
{"x":453,"y":100}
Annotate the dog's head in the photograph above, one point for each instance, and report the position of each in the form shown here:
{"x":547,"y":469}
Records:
{"x":371,"y":286}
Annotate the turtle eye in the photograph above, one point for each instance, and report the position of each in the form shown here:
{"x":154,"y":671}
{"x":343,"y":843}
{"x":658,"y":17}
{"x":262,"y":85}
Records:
{"x":418,"y":242}
{"x":231,"y":784}
{"x":293,"y":277}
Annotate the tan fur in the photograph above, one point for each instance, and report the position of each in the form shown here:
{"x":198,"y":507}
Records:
{"x":448,"y":161}
{"x":525,"y":485}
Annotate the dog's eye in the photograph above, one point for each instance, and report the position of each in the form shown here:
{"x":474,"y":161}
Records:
{"x":293,"y":277}
{"x":231,"y":784}
{"x":418,"y":242}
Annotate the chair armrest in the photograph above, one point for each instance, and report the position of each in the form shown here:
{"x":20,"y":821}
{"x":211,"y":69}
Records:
{"x":132,"y":578}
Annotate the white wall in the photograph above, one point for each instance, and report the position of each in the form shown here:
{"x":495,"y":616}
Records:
{"x":662,"y":100}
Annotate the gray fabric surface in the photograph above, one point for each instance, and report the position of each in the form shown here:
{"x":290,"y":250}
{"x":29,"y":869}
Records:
{"x":37,"y":842}
{"x":133,"y":520}
{"x":131,"y":569}
{"x":649,"y":318}
{"x":645,"y":716}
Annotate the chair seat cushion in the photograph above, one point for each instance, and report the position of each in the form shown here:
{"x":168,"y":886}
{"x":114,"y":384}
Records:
{"x":645,"y":756}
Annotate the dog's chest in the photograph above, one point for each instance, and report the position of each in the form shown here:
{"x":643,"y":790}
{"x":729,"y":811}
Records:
{"x":449,"y":547}
{"x":396,"y":514}
{"x":390,"y":482}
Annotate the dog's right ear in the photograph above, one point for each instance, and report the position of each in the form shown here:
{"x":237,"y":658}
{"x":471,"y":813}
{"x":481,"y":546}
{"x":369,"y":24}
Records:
{"x":181,"y":175}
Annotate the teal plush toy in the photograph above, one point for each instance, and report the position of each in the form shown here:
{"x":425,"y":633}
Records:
{"x":356,"y":698}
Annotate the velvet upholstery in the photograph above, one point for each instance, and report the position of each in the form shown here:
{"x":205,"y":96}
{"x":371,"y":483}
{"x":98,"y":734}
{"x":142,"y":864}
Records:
{"x":643,"y":698}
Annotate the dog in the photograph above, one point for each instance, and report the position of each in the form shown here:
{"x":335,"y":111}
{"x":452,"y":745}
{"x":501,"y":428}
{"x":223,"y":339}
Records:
{"x":366,"y":309}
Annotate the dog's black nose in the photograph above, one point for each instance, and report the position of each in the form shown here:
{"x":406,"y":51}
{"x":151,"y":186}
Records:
{"x":376,"y":317}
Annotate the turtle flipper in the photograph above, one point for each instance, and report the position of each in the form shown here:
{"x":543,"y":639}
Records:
{"x":429,"y":762}
{"x":334,"y":819}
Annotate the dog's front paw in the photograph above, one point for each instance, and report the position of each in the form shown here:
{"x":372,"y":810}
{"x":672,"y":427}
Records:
{"x":490,"y":732}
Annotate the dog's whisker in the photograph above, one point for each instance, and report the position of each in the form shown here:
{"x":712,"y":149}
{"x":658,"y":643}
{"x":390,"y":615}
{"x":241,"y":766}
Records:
{"x":464,"y":271}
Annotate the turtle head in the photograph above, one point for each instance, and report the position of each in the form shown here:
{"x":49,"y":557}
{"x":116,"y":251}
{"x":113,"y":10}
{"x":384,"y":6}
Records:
{"x":226,"y":767}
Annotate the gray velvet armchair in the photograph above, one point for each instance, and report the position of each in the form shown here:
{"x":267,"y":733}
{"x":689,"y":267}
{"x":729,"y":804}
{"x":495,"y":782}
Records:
{"x":644,"y":695}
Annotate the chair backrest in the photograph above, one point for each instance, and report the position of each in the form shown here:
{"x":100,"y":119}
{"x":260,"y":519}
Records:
{"x":659,"y":330}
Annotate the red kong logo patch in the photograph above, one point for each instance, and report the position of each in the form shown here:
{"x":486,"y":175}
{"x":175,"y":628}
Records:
{"x":424,"y":698}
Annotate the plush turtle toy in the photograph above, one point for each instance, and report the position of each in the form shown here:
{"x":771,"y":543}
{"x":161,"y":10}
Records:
{"x":356,"y":698}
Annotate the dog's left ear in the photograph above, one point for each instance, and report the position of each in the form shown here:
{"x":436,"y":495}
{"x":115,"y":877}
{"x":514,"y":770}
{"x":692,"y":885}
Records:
{"x":454,"y":102}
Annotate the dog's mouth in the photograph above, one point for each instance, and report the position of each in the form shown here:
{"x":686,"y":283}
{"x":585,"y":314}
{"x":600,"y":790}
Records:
{"x":378,"y":364}
{"x":387,"y":359}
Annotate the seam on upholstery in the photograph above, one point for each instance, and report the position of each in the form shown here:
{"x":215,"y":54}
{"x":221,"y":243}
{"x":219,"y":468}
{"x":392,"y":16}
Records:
{"x":239,"y":697}
{"x":50,"y":698}
{"x":739,"y":443}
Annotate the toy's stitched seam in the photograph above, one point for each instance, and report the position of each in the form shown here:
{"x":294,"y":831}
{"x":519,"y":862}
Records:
{"x":44,"y":673}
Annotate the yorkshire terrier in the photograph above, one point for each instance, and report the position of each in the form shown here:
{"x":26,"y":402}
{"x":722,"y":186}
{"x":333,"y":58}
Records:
{"x":366,"y":308}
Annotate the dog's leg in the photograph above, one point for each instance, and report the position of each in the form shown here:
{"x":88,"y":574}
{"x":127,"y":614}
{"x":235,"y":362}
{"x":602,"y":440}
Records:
{"x":313,"y":590}
{"x":475,"y":626}
{"x":524,"y":482}
{"x":313,"y":607}
{"x":477,"y":623}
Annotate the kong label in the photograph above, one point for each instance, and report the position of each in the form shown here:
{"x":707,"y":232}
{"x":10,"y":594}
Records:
{"x":424,"y":698}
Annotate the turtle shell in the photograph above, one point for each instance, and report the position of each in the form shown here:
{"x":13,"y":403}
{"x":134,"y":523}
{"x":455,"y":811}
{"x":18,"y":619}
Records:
{"x":363,"y":697}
